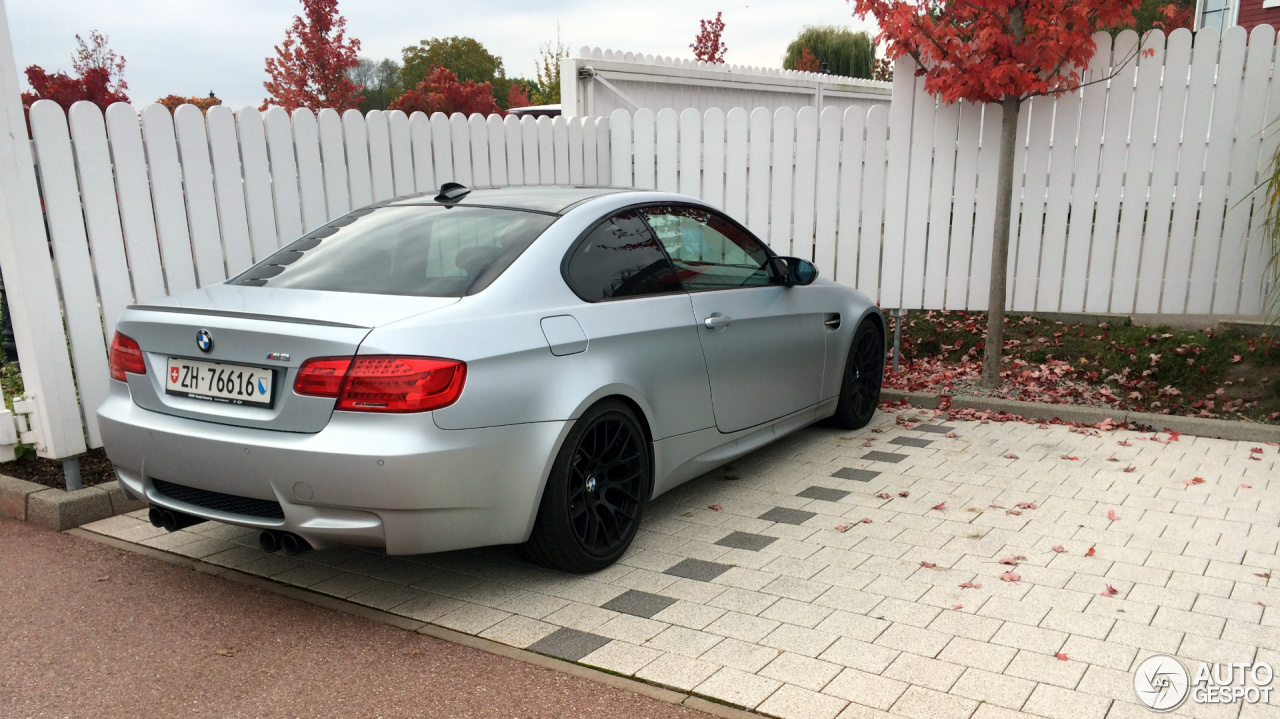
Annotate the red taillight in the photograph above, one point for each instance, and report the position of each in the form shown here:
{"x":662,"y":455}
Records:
{"x":125,"y":356}
{"x":322,"y":377}
{"x":382,"y":383}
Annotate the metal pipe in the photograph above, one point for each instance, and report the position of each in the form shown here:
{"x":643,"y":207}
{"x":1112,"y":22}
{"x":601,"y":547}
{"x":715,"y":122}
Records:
{"x":897,"y":338}
{"x":292,"y":544}
{"x":71,"y":470}
{"x":268,"y":540}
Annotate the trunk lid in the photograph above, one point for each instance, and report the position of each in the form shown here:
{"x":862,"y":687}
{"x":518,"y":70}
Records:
{"x":261,"y":329}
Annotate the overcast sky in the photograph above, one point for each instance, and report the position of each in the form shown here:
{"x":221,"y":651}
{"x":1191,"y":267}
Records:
{"x":189,"y":48}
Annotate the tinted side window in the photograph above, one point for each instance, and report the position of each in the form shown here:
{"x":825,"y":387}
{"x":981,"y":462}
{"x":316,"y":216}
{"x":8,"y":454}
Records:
{"x":620,"y":258}
{"x":709,"y":251}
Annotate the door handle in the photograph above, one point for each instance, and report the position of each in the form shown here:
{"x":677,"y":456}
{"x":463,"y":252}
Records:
{"x":717,"y":321}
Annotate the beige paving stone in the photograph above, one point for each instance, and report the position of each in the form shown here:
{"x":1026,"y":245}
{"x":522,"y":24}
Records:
{"x":921,"y":703}
{"x":677,"y":671}
{"x":1099,"y":652}
{"x":1012,"y":634}
{"x":1056,"y":703}
{"x":1046,"y":668}
{"x":808,"y":642}
{"x":923,"y":642}
{"x":868,"y":689}
{"x":923,"y":671}
{"x":620,"y":657}
{"x":737,"y":687}
{"x":682,"y":640}
{"x":993,"y":688}
{"x":743,"y":626}
{"x":518,"y":631}
{"x":792,"y":702}
{"x":963,"y":624}
{"x":980,"y":655}
{"x":740,"y":655}
{"x":802,"y":671}
{"x":860,"y":655}
{"x":471,"y":618}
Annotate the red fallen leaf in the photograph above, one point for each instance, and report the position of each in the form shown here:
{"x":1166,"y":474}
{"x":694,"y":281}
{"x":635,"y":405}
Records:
{"x":1193,"y":481}
{"x":1129,"y":469}
{"x":714,"y":507}
{"x":1264,"y":575}
{"x":928,"y":565}
{"x":1235,"y":359}
{"x":940,"y":505}
{"x":883,"y":495}
{"x":950,"y":435}
{"x":957,"y":607}
{"x":1262,"y":605}
{"x":1011,"y":455}
{"x":866,"y":443}
{"x":1043,"y":426}
{"x":1247,"y":486}
{"x":1071,"y":457}
{"x":1091,"y":552}
{"x":1010,"y":577}
{"x":995,"y":506}
{"x":842,"y":528}
{"x":1111,"y":514}
{"x":1015,"y":512}
{"x":878,"y":430}
{"x":1112,"y":459}
{"x":1061,"y":657}
{"x":1125,"y":443}
{"x":1255,"y":458}
{"x":1013,"y":561}
{"x":904,"y":493}
{"x":865,"y":520}
{"x":1025,"y":505}
{"x":1256,"y":450}
{"x":971,"y":585}
{"x":1110,"y":591}
{"x":1059,"y":549}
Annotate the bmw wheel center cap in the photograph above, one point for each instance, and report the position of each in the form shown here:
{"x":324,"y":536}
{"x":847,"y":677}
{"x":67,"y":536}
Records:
{"x":204,"y":341}
{"x":591,"y":484}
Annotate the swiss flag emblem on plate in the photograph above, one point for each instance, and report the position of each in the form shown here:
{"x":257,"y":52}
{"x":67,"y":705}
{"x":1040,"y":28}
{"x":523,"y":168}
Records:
{"x":173,"y":374}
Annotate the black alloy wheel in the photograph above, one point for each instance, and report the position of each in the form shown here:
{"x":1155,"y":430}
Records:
{"x":594,"y":498}
{"x":863,"y":377}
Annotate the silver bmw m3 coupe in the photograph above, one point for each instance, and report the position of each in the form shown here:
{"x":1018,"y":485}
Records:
{"x":521,"y":365}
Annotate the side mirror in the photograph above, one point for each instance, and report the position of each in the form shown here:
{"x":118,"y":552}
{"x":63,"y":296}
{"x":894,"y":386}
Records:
{"x":794,"y":271}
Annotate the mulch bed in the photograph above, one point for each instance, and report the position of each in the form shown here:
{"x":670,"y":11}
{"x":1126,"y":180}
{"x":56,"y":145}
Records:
{"x":1210,"y":374}
{"x":95,"y":469}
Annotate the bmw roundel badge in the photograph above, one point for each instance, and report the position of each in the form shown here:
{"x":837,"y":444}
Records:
{"x":204,"y":341}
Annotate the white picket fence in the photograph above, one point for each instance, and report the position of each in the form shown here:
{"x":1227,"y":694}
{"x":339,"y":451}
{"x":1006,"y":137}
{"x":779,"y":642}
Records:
{"x":1129,"y":195}
{"x":597,"y":82}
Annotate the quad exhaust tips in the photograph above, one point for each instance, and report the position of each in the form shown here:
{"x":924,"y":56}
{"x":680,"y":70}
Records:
{"x":170,"y":520}
{"x":270,"y":540}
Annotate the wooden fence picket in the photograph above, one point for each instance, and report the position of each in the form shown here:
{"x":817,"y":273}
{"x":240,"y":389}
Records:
{"x":306,"y":141}
{"x":197,"y":186}
{"x":166,"y":197}
{"x":228,"y":183}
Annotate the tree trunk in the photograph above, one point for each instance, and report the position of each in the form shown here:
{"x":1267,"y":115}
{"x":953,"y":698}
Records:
{"x":1000,"y":244}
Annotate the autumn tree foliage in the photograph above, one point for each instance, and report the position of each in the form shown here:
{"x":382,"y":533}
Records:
{"x":1172,"y":16}
{"x":99,"y":77}
{"x":173,"y":102}
{"x":806,"y":62}
{"x":311,"y":67}
{"x":708,"y":46}
{"x":517,"y":97}
{"x":996,"y":51}
{"x":441,"y":91}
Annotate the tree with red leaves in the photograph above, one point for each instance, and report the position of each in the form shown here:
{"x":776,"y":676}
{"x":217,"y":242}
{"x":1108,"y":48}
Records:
{"x":996,"y":51}
{"x":311,"y":65}
{"x":707,"y":46}
{"x":517,"y":97}
{"x":807,"y":62}
{"x":440,"y":91}
{"x":1171,"y":17}
{"x":100,"y":77}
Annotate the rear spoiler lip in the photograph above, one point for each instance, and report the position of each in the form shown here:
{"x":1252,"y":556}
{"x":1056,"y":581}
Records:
{"x":243,"y":315}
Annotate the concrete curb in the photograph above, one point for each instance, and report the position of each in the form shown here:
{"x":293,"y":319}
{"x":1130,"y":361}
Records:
{"x":655,"y":691}
{"x":58,"y":509}
{"x":1213,"y":428}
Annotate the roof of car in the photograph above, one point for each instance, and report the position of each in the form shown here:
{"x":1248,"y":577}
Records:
{"x":552,"y":198}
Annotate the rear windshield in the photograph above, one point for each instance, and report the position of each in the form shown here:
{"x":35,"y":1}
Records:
{"x":421,"y":251}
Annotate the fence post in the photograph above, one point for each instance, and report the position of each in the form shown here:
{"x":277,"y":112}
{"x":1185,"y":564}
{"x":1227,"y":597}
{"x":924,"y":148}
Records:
{"x":29,"y":283}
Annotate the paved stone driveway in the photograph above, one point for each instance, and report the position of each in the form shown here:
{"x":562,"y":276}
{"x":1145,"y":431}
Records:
{"x":767,"y":604}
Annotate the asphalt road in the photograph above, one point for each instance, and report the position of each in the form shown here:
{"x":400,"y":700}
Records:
{"x":87,"y":630}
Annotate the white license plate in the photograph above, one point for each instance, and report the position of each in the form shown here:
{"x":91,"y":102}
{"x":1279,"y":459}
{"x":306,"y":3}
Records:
{"x":217,"y":382}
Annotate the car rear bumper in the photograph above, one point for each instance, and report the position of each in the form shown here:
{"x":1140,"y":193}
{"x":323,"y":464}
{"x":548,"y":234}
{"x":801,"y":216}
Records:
{"x":395,"y":481}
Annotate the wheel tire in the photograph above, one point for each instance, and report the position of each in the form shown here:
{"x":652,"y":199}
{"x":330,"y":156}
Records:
{"x":863,"y":375}
{"x":596,"y":493}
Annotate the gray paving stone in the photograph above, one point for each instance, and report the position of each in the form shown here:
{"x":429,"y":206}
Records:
{"x":569,"y":644}
{"x":890,"y":457}
{"x":746,"y":540}
{"x":826,"y":494}
{"x":638,"y":603}
{"x":859,"y":475}
{"x":911,"y":442}
{"x":698,"y":569}
{"x":934,"y":428}
{"x":786,"y":515}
